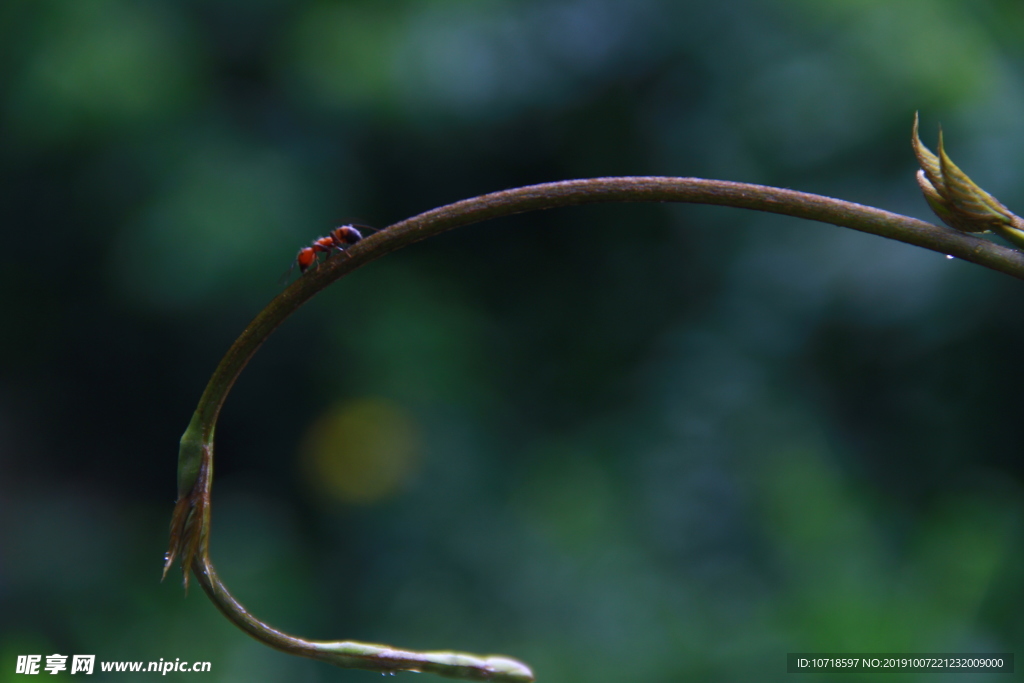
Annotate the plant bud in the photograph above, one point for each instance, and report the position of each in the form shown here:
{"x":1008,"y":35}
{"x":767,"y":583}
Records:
{"x":957,"y":200}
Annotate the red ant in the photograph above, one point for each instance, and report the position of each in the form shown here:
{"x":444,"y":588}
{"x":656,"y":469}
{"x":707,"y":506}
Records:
{"x":338,"y":239}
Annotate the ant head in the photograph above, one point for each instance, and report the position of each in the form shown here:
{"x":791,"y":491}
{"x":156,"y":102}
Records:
{"x":306,"y":258}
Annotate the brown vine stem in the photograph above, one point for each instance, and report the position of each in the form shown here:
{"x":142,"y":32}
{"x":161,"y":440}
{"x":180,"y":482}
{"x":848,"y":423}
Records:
{"x":191,"y":522}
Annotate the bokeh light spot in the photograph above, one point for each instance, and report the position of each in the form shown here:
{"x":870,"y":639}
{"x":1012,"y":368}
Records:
{"x":360,"y":451}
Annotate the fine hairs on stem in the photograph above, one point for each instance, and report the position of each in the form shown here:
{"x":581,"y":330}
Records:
{"x":191,"y":520}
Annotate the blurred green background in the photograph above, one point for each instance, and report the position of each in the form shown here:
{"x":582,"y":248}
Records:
{"x":623,"y":443}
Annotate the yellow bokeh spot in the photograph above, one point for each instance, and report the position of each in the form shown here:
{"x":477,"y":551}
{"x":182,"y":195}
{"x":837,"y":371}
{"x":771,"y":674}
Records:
{"x":360,"y":451}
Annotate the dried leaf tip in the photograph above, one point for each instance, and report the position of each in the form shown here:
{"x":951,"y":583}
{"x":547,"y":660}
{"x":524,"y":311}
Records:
{"x":957,"y":200}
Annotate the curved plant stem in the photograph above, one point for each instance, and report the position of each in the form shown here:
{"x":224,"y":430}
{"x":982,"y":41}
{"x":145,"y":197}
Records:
{"x":191,"y":522}
{"x":354,"y":655}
